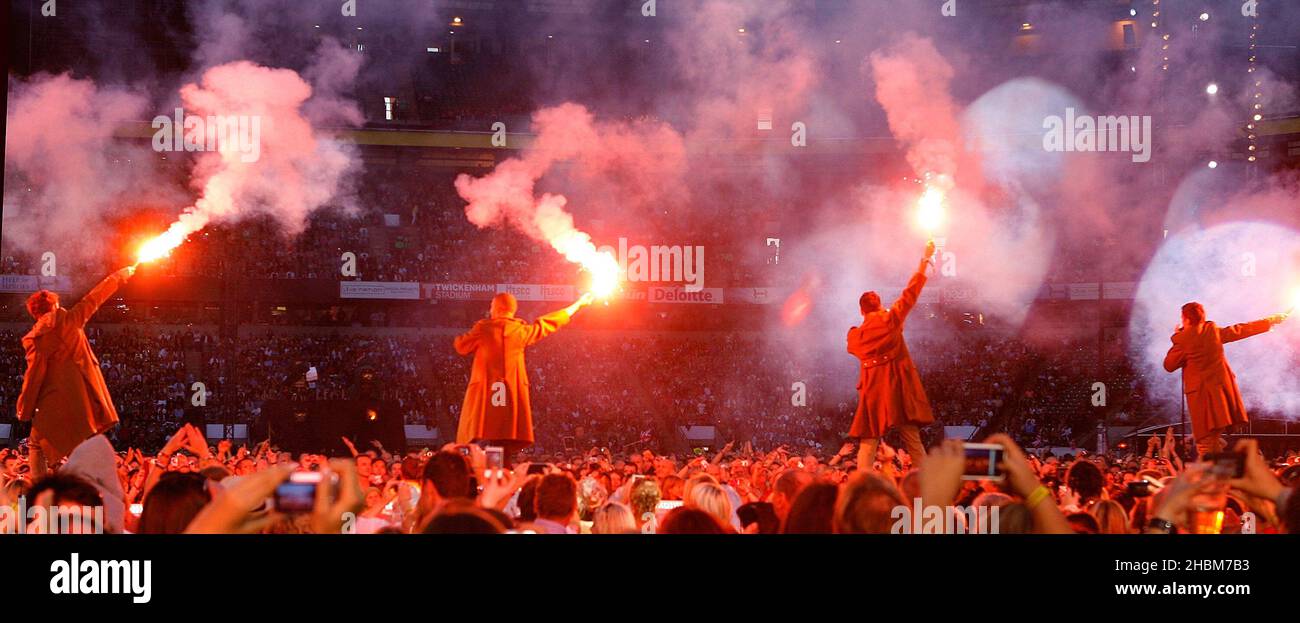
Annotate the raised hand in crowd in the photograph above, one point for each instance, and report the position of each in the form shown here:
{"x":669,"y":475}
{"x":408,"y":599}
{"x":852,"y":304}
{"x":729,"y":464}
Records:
{"x":1174,"y":501}
{"x":499,"y":486}
{"x":1023,"y":482}
{"x":1257,"y":480}
{"x":1261,"y":490}
{"x":244,"y":507}
{"x":940,"y":476}
{"x":338,"y":497}
{"x":845,"y":451}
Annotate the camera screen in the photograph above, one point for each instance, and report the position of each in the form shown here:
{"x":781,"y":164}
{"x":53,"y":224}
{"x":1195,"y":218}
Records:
{"x":295,"y":497}
{"x":537,"y":468}
{"x":495,"y":458}
{"x":982,"y":462}
{"x":1227,"y":465}
{"x":1139,"y":488}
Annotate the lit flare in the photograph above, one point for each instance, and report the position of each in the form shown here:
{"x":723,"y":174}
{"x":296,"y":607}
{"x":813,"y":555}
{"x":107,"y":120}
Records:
{"x":159,"y":246}
{"x":604,"y":275}
{"x":929,"y":210}
{"x":163,"y":244}
{"x":578,"y":248}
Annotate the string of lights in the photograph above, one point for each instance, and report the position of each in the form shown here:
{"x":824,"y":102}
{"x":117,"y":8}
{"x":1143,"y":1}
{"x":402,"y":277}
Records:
{"x":1156,"y":22}
{"x":1257,"y":104}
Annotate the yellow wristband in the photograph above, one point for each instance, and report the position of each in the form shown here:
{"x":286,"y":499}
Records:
{"x":1037,"y":497}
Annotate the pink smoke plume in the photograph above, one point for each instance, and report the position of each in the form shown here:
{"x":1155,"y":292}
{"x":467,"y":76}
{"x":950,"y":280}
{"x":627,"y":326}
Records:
{"x":733,"y":77}
{"x":912,"y":85}
{"x":641,"y":156}
{"x":65,"y":170}
{"x":296,"y":171}
{"x":993,"y":252}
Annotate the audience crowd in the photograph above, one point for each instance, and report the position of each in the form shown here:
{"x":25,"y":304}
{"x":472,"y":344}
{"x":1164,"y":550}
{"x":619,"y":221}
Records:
{"x":194,"y":486}
{"x":613,"y":455}
{"x":405,"y":223}
{"x":592,"y":388}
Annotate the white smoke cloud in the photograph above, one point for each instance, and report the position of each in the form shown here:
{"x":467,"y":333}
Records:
{"x":299,"y":169}
{"x":1241,"y":272}
{"x":65,"y":172}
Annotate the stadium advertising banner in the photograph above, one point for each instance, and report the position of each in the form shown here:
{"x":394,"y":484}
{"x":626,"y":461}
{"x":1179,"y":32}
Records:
{"x":538,"y":291}
{"x":564,"y":293}
{"x":392,"y":290}
{"x":754,"y":296}
{"x":17,"y":283}
{"x":1085,"y":291}
{"x":706,"y":296}
{"x":1119,"y":290}
{"x":26,"y":284}
{"x":458,"y":291}
{"x":1054,"y":292}
{"x":952,"y":293}
{"x":1112,"y":290}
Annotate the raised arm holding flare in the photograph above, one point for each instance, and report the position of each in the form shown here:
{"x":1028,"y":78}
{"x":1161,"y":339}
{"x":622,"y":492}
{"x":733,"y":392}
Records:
{"x":890,"y":394}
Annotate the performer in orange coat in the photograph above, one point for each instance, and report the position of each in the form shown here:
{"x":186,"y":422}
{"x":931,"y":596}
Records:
{"x":1208,"y":382}
{"x":496,"y":409}
{"x":64,"y":394}
{"x":889,"y":389}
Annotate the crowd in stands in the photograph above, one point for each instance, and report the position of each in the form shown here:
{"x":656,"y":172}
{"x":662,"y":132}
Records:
{"x":404,"y":222}
{"x":601,"y":388}
{"x":625,"y":398}
{"x":400,"y":223}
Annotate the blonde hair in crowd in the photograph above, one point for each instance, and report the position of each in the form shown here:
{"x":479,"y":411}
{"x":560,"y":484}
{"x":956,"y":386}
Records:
{"x":712,"y":499}
{"x":613,"y":518}
{"x":1111,"y":518}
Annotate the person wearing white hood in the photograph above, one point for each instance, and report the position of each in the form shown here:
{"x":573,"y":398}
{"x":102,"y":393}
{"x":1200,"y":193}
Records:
{"x":93,"y":461}
{"x":83,"y":496}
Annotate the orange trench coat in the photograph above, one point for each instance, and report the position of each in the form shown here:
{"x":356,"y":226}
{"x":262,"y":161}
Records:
{"x":1213,"y":399}
{"x":496,"y":405}
{"x":64,"y":394}
{"x":889,"y":387}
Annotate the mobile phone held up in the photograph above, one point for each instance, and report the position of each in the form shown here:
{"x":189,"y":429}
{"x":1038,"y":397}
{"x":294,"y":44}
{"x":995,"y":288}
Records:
{"x":1144,"y":488}
{"x":496,"y":457}
{"x":1226,"y":465}
{"x":539,"y":468}
{"x":983,"y":461}
{"x":298,"y":493}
